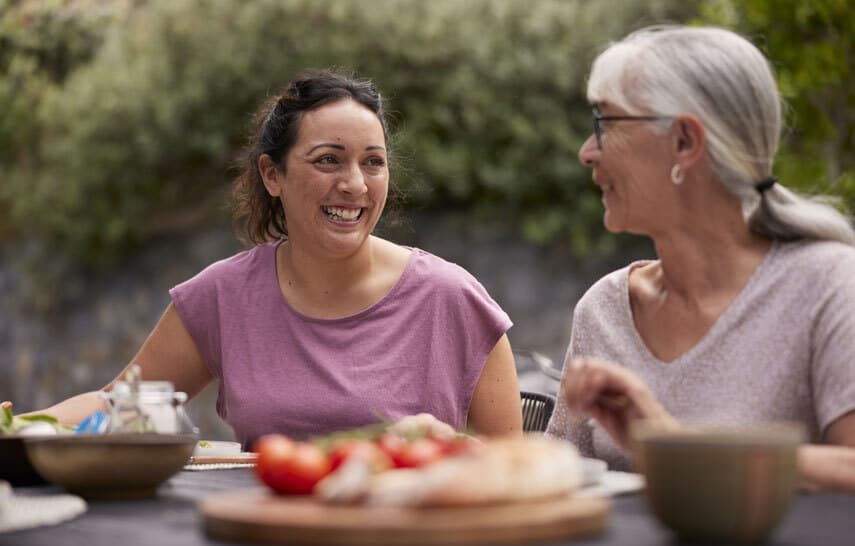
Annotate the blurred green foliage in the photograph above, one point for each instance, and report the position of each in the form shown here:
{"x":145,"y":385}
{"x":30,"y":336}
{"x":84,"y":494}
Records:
{"x":812,"y":48}
{"x":120,"y":120}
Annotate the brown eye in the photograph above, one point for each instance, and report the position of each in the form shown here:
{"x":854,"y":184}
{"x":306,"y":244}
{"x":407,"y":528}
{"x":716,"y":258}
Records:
{"x":326,"y":160}
{"x":375,"y":161}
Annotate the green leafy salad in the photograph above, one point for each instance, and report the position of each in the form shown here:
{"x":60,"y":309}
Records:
{"x":30,"y":424}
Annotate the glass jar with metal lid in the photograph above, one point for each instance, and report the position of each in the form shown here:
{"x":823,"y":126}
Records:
{"x":146,"y":406}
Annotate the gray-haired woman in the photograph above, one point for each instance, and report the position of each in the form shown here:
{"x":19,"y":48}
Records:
{"x":747,"y":314}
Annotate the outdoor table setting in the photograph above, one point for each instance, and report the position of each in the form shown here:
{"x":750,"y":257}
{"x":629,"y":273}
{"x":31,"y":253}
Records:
{"x":172,"y":517}
{"x":140,"y":475}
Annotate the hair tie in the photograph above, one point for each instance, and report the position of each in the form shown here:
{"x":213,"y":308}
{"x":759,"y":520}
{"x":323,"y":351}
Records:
{"x":764,"y":185}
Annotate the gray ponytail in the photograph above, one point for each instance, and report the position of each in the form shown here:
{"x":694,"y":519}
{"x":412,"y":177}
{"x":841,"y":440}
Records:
{"x":782,"y":214}
{"x":723,"y":79}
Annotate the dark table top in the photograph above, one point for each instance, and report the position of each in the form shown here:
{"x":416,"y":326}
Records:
{"x":172,"y":518}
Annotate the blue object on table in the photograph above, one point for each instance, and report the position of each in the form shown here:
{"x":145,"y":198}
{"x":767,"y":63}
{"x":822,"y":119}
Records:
{"x":94,"y":423}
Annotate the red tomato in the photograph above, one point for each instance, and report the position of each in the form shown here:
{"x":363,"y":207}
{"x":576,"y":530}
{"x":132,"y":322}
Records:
{"x":290,"y":467}
{"x":419,"y":453}
{"x":274,"y":451}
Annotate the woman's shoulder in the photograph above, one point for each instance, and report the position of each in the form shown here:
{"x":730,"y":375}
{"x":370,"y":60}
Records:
{"x":810,"y":247}
{"x":237,"y":267}
{"x":438,"y":271}
{"x":817,"y":259}
{"x":435,"y":280}
{"x":609,"y":289}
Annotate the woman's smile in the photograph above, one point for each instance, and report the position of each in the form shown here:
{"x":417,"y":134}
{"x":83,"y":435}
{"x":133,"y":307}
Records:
{"x":335,"y":184}
{"x":340,"y":214}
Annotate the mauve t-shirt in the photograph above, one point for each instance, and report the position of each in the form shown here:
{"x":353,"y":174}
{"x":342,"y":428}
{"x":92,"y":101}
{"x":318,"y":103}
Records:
{"x":420,"y":348}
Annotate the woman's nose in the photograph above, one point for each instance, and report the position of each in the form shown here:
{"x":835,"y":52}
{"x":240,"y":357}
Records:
{"x":589,"y":152}
{"x":353,"y":181}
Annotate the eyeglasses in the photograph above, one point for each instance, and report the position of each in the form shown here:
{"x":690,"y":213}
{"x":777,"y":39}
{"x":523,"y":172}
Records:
{"x":598,"y":118}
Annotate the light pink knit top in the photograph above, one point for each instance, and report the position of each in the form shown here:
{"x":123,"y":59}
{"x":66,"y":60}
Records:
{"x":784,"y":350}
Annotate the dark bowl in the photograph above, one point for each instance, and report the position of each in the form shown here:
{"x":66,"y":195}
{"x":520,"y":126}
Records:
{"x":111,"y":466}
{"x":15,"y":466}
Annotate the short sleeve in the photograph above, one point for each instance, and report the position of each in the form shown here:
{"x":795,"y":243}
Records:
{"x":482,"y":322}
{"x":833,"y":345}
{"x":197,"y":303}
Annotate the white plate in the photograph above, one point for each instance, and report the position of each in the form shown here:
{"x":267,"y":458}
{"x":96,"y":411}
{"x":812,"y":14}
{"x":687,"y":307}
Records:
{"x":214,"y":448}
{"x":5,"y":496}
{"x":593,"y":471}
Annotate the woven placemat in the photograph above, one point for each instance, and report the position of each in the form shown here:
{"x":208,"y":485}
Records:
{"x":219,"y":466}
{"x":27,"y":511}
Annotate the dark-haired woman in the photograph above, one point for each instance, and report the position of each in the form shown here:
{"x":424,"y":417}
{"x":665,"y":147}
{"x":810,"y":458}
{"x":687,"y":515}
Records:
{"x":321,"y":325}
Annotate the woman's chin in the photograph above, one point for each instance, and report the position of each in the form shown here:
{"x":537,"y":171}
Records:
{"x":611,"y":223}
{"x":345,"y":244}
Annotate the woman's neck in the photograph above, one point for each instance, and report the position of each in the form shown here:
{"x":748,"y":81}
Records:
{"x":326,"y":288}
{"x":704,"y":261}
{"x":676,"y":300}
{"x":707,"y":248}
{"x":324,"y":276}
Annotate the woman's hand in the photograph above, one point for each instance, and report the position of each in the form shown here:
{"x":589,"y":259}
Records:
{"x":612,"y":395}
{"x":5,"y":404}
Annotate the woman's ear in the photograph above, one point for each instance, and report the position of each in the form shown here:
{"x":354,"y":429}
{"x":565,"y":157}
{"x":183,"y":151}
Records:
{"x":270,"y":175}
{"x":689,"y":140}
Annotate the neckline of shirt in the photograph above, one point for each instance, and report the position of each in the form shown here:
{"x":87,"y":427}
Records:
{"x":735,"y":306}
{"x":414,"y":254}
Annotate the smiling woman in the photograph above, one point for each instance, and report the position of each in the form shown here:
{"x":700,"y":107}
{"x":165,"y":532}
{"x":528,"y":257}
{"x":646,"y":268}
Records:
{"x":745,"y":316}
{"x":332,"y":188}
{"x":321,"y":325}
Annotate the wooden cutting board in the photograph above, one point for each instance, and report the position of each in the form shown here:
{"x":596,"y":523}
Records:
{"x":257,"y":515}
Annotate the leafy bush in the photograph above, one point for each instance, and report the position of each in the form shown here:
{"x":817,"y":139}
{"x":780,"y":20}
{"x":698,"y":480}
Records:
{"x":118,"y":133}
{"x":121,"y":119}
{"x":812,"y":49}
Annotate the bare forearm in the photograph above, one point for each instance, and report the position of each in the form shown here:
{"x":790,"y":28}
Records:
{"x":827,"y":468}
{"x":73,"y":410}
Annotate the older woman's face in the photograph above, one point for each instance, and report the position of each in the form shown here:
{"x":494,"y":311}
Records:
{"x":632,"y":169}
{"x":336,"y":179}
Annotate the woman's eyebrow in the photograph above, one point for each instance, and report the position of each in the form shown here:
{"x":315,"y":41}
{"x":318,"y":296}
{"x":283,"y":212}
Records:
{"x":326,"y":144}
{"x":341,"y":147}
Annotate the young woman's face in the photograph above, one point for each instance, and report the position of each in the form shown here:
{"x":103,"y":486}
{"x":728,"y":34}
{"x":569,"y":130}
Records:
{"x":633,"y":171}
{"x":336,"y":179}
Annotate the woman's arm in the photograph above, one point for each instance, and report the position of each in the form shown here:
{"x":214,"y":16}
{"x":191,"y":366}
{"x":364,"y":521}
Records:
{"x":495,"y":408}
{"x":169,"y":354}
{"x":831,"y":467}
{"x":73,"y":410}
{"x":827,"y":468}
{"x":588,"y":382}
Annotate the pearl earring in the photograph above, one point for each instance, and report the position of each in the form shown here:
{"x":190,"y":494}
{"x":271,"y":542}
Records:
{"x":677,"y":177}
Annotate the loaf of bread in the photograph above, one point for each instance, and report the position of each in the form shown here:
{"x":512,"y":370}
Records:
{"x":506,"y":470}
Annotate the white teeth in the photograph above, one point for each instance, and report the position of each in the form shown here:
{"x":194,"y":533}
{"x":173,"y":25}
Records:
{"x":607,"y":188}
{"x":340,"y":213}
